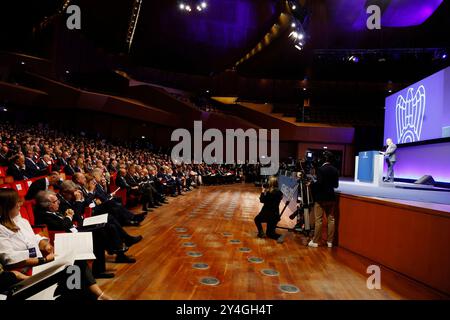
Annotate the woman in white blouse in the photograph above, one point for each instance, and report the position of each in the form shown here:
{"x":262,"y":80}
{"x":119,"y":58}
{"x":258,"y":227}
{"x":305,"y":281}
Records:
{"x":21,"y":249}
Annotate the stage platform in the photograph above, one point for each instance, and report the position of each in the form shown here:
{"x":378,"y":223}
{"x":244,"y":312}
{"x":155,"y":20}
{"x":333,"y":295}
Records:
{"x":426,"y":196}
{"x":404,"y":231}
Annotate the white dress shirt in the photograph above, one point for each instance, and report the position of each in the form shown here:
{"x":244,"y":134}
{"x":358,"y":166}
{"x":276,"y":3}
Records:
{"x":15,"y":246}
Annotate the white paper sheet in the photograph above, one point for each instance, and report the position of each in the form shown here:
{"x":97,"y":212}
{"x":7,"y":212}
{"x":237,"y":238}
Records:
{"x":103,"y":218}
{"x":79,"y":243}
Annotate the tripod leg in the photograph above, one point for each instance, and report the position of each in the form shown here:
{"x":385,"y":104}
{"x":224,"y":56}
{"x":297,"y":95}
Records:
{"x":306,"y":214}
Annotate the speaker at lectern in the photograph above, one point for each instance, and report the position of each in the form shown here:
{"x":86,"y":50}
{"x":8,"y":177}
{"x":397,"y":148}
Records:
{"x":369,"y":167}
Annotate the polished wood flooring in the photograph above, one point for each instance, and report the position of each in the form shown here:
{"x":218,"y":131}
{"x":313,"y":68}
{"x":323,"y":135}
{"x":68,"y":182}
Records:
{"x":213,"y":216}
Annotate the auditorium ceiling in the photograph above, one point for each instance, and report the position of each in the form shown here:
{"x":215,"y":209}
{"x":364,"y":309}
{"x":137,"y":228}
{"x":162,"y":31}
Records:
{"x":219,"y":37}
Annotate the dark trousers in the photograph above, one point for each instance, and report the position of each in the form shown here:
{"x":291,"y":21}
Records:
{"x":271,"y":225}
{"x":390,"y":172}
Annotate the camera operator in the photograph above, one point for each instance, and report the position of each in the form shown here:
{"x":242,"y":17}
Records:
{"x":270,"y":212}
{"x":325,"y":199}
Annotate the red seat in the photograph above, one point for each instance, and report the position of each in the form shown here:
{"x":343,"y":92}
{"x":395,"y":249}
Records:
{"x":5,"y":186}
{"x":87,"y":212}
{"x":3,"y":172}
{"x":21,"y":187}
{"x":122,"y":194}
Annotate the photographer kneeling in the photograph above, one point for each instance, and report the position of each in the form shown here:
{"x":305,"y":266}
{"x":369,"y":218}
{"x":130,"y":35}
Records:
{"x":270,"y":212}
{"x":325,"y":199}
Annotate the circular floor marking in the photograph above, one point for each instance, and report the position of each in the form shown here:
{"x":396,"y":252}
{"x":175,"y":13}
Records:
{"x":185,"y":236}
{"x":194,"y":254}
{"x":270,"y":272}
{"x":235,"y":241}
{"x":189,"y":244}
{"x":288,"y":288}
{"x":180,"y":229}
{"x":227,"y":234}
{"x":255,"y":260}
{"x":200,"y":266}
{"x":209,"y":281}
{"x":245,"y":249}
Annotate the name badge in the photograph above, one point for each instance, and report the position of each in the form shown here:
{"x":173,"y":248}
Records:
{"x":32,"y":252}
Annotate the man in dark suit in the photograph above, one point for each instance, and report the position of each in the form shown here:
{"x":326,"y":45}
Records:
{"x":31,"y":167}
{"x":390,"y":158}
{"x":17,"y":168}
{"x":47,"y":211}
{"x":42,"y":185}
{"x":4,"y":156}
{"x":69,"y":169}
{"x":325,"y":199}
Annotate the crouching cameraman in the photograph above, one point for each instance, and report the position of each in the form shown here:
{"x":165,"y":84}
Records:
{"x":325,"y":199}
{"x":270,"y":212}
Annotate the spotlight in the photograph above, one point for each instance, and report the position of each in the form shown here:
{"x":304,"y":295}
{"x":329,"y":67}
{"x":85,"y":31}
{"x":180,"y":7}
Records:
{"x":301,"y":36}
{"x":182,"y":6}
{"x":143,"y":137}
{"x":294,"y":7}
{"x":294,"y":34}
{"x":188,"y":8}
{"x":204,"y":5}
{"x":4,"y":109}
{"x":390,"y":90}
{"x":444,"y":56}
{"x":67,"y":71}
{"x":199,"y":8}
{"x":22,"y":63}
{"x":353,"y":59}
{"x":300,"y":49}
{"x":293,"y":25}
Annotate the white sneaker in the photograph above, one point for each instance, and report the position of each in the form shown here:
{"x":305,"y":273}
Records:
{"x":313,"y":244}
{"x":330,"y":244}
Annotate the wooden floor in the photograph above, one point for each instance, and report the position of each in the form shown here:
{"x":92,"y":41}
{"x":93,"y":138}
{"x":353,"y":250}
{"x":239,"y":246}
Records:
{"x":164,"y":270}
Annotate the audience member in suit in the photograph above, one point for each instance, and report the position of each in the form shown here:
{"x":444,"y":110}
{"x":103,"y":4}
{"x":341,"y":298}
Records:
{"x":60,"y":161}
{"x":71,"y":197}
{"x":31,"y":168}
{"x":87,"y":184}
{"x":113,"y":205}
{"x":47,"y":212}
{"x":69,"y":169}
{"x":4,"y":156}
{"x":17,"y":168}
{"x":325,"y":199}
{"x":43,"y":184}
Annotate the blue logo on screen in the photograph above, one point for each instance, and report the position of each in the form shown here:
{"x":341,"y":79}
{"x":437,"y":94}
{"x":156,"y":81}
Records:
{"x":409,"y":115}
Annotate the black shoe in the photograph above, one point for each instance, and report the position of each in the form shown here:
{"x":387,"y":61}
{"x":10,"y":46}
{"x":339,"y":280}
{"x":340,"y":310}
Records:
{"x":274,"y":236}
{"x":132,"y":223}
{"x":261,"y":235}
{"x":120,"y":250}
{"x":132,"y":240}
{"x":124,"y":259}
{"x":104,"y":275}
{"x":139,"y":217}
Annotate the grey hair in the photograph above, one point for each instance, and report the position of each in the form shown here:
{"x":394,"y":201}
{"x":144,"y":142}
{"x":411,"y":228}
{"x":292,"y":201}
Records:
{"x":43,"y":198}
{"x":68,"y":185}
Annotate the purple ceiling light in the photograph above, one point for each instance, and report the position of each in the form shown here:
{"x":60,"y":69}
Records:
{"x":398,"y":13}
{"x":408,"y":13}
